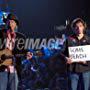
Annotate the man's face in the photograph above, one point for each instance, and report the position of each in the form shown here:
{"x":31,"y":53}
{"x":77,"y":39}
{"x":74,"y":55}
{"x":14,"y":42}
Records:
{"x":79,"y":28}
{"x":12,"y":24}
{"x":29,"y":55}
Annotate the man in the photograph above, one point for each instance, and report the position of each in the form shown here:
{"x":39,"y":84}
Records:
{"x":80,"y":68}
{"x":28,"y":71}
{"x":28,"y":60}
{"x":9,"y":74}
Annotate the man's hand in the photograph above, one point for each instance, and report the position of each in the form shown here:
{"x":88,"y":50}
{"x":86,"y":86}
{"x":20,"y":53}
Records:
{"x":69,"y":60}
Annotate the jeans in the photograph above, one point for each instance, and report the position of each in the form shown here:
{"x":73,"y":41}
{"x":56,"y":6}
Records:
{"x":8,"y":81}
{"x":3,"y":80}
{"x":13,"y":81}
{"x":74,"y":77}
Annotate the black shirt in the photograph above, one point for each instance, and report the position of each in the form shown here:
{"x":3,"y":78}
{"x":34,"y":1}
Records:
{"x":74,"y":41}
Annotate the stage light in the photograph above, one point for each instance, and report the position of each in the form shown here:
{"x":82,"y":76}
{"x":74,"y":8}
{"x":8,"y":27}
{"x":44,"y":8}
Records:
{"x":3,"y":15}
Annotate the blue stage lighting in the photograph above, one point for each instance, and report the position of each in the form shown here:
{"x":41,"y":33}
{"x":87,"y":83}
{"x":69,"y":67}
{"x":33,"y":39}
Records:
{"x":3,"y":15}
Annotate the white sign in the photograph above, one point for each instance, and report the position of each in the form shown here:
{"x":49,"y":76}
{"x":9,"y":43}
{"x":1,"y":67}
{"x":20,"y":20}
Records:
{"x":79,"y":53}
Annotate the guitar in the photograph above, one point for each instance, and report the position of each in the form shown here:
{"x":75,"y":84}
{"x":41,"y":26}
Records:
{"x":5,"y":57}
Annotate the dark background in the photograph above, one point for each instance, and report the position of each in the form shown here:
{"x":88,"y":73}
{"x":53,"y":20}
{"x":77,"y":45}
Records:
{"x":39,"y":17}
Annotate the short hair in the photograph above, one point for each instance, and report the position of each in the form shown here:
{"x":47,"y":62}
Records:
{"x":77,"y":20}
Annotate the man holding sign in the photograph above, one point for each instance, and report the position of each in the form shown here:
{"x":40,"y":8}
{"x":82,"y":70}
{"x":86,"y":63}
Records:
{"x":77,"y":51}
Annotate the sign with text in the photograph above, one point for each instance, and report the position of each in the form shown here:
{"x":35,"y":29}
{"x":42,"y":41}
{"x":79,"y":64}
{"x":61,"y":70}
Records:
{"x":79,"y":53}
